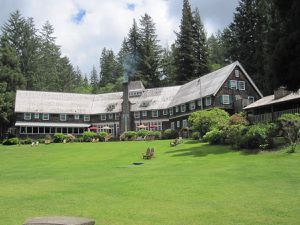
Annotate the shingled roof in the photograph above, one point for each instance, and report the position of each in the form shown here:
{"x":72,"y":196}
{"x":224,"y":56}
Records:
{"x":156,"y":98}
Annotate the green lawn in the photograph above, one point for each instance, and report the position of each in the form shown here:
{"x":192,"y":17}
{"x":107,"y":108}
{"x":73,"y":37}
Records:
{"x":189,"y":184}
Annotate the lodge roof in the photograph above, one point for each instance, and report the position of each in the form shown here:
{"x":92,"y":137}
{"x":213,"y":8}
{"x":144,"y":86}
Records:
{"x":270,"y":100}
{"x":155,"y":98}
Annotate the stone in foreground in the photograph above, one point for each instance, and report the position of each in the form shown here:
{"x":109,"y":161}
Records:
{"x":59,"y":220}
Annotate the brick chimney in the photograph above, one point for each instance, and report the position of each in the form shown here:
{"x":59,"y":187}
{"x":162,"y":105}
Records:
{"x":281,"y":92}
{"x":125,"y":123}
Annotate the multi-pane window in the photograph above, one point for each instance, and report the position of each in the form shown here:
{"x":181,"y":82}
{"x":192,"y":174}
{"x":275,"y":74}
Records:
{"x":176,"y":109}
{"x":172,"y":125}
{"x":136,"y":115}
{"x":76,"y":117}
{"x":86,"y":118}
{"x":241,"y":85}
{"x":251,"y":99}
{"x":154,"y":113}
{"x":27,"y":116}
{"x":63,"y":117}
{"x":165,"y":112}
{"x":103,"y":116}
{"x":171,"y":111}
{"x":110,"y":116}
{"x":182,"y":108}
{"x":46,"y":116}
{"x":237,"y":73}
{"x":36,"y":116}
{"x":199,"y":102}
{"x":192,"y":105}
{"x":178,"y":123}
{"x":117,"y":116}
{"x":144,"y":113}
{"x":208,"y":101}
{"x":233,"y":84}
{"x":184,"y":123}
{"x":225,"y":99}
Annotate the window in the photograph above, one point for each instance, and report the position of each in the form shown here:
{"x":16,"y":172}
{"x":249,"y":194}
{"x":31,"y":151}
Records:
{"x":171,"y":111}
{"x":192,"y":105}
{"x":165,"y":112}
{"x":237,"y":73}
{"x":208,"y":101}
{"x":117,"y":116}
{"x":27,"y":116}
{"x":178,"y":123}
{"x":45,"y":116}
{"x":110,"y":116}
{"x":183,"y":108}
{"x":199,"y":102}
{"x":176,"y":109}
{"x":184,"y":123}
{"x":86,"y":118}
{"x":103,"y":116}
{"x":241,"y":85}
{"x":144,"y":113}
{"x":154,"y":113}
{"x":251,"y":99}
{"x":76,"y":117}
{"x":233,"y":84}
{"x":225,"y":99}
{"x":36,"y":116}
{"x":172,"y":125}
{"x":136,"y":115}
{"x":63,"y":117}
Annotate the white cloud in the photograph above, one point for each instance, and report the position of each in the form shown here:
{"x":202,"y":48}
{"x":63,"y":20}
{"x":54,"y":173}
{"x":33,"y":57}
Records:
{"x":105,"y":23}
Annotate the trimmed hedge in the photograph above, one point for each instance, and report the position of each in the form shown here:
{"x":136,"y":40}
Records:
{"x":11,"y":141}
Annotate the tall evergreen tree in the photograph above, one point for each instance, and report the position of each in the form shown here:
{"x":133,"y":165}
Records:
{"x":200,"y":45}
{"x":184,"y":53}
{"x":108,"y":67}
{"x":150,"y":53}
{"x":94,"y":81}
{"x":168,"y":66}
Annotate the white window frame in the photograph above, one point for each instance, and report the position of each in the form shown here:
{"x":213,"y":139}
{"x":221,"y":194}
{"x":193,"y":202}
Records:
{"x":236,"y":73}
{"x":27,"y":116}
{"x":184,"y":123}
{"x":86,"y":118}
{"x":233,"y":84}
{"x":110,"y":116}
{"x":46,"y":116}
{"x":154,"y":113}
{"x":178,"y":123}
{"x":137,"y":115}
{"x":192,"y":106}
{"x":76,"y":116}
{"x":183,"y":108}
{"x":243,"y":88}
{"x":208,"y":101}
{"x":251,"y":99}
{"x":177,"y":109}
{"x":103,"y":117}
{"x":63,"y":117}
{"x":199,"y":102}
{"x":172,"y":125}
{"x":171,"y":111}
{"x":36,"y":115}
{"x":165,"y":112}
{"x":144,"y":113}
{"x":117,"y":116}
{"x":225,"y":99}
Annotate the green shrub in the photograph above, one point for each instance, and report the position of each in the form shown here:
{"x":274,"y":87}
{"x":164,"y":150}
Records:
{"x":59,"y":137}
{"x":206,"y":120}
{"x":88,"y":136}
{"x":142,"y":133}
{"x":156,"y":134}
{"x":101,"y":135}
{"x":11,"y":141}
{"x":238,"y":119}
{"x":196,"y":135}
{"x":260,"y":136}
{"x":169,"y":134}
{"x":235,"y":135}
{"x":130,"y":135}
{"x":70,"y":138}
{"x":26,"y":141}
{"x":215,"y":136}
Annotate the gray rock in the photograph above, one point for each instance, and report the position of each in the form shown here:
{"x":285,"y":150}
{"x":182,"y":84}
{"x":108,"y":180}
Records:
{"x":59,"y":220}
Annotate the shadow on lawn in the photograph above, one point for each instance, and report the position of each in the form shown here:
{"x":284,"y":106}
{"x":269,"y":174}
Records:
{"x":200,"y":151}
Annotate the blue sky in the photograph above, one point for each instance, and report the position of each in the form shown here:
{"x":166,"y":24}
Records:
{"x":84,"y":27}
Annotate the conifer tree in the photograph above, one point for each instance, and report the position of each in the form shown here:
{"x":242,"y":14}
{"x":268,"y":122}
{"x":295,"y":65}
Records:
{"x":94,"y":81}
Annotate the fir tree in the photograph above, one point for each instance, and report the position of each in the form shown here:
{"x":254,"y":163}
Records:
{"x":94,"y":81}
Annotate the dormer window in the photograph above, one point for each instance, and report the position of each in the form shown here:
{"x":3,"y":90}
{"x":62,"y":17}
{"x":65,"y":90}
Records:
{"x":111,"y":107}
{"x":237,"y":73}
{"x":135,"y":93}
{"x":145,"y":104}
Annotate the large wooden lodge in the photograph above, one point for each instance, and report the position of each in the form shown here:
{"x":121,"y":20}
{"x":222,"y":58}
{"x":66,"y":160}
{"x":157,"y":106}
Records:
{"x":40,"y":113}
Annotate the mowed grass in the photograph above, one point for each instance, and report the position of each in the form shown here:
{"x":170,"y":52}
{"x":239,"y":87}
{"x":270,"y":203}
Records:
{"x":192,"y":183}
